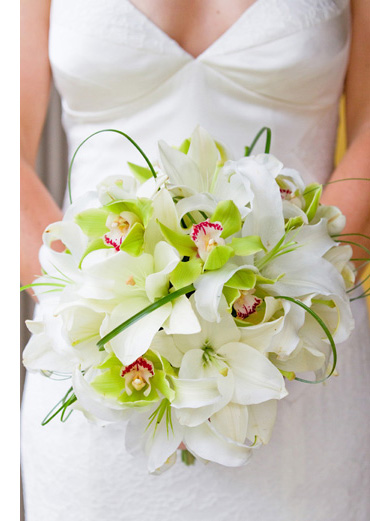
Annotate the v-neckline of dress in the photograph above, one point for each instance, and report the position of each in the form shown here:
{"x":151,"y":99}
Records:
{"x":246,"y":13}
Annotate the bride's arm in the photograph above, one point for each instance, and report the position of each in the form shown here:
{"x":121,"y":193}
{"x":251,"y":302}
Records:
{"x":38,"y":209}
{"x":353,"y":197}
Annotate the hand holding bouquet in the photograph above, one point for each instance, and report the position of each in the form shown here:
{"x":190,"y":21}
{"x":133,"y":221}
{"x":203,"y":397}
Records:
{"x":187,"y":295}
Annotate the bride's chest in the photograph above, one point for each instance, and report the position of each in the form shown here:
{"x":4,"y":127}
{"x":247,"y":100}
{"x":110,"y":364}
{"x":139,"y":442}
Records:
{"x":109,"y":53}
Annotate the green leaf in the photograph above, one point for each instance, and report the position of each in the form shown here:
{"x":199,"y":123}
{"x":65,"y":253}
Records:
{"x":141,"y":173}
{"x":97,"y":244}
{"x":133,"y":243}
{"x":186,"y":273}
{"x":312,"y":196}
{"x":218,"y":257}
{"x":183,"y":243}
{"x":228,"y":215}
{"x":247,"y":245}
{"x":243,"y":279}
{"x":92,"y":222}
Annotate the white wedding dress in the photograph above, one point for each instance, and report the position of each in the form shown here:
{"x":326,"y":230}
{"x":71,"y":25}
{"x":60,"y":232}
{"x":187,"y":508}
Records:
{"x":282,"y":64}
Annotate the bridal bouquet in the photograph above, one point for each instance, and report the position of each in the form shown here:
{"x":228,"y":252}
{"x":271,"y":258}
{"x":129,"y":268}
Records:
{"x":187,"y":294}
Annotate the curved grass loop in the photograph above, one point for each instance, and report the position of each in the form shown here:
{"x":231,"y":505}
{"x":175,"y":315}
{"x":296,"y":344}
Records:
{"x":326,"y":331}
{"x":99,"y":132}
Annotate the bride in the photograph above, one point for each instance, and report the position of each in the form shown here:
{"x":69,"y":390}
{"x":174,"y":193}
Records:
{"x":155,"y":69}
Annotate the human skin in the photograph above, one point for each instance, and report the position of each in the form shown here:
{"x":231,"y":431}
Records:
{"x":194,"y":24}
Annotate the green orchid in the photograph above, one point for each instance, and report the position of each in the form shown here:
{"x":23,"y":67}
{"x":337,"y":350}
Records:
{"x":119,"y":224}
{"x":140,"y":383}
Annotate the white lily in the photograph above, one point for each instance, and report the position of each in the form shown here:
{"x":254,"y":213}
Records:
{"x":340,"y":257}
{"x":128,"y":285}
{"x":266,"y":218}
{"x":335,"y":220}
{"x":244,"y":375}
{"x":198,"y":178}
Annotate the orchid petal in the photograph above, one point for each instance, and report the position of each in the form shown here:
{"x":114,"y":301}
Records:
{"x":209,"y":290}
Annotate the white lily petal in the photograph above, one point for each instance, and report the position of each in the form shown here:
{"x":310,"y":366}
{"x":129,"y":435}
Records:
{"x":192,"y":364}
{"x":204,"y":153}
{"x":39,"y":355}
{"x":179,"y":167}
{"x":205,"y":442}
{"x":266,"y":218}
{"x":260,"y":336}
{"x":116,"y":188}
{"x":158,"y":446}
{"x":136,"y":339}
{"x":233,"y":187}
{"x":71,"y":236}
{"x":256,"y":378}
{"x":164,"y":209}
{"x":195,"y":392}
{"x":335,"y":220}
{"x":166,"y":347}
{"x":182,"y":320}
{"x":284,"y":342}
{"x":118,"y":276}
{"x":166,"y":258}
{"x":232,"y":421}
{"x":201,"y":201}
{"x":95,"y":403}
{"x":291,"y":210}
{"x":86,"y":201}
{"x":150,"y":187}
{"x":261,"y":420}
{"x":304,"y":359}
{"x":304,"y":276}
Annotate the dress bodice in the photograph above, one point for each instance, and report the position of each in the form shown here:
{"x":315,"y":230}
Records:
{"x":282,"y":65}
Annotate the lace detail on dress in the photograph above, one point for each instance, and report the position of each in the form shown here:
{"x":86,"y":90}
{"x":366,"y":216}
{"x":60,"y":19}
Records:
{"x":272,"y":19}
{"x":113,"y":21}
{"x":121,"y":22}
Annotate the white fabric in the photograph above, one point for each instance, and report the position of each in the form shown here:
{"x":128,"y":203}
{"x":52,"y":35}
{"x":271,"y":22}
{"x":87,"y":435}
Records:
{"x":282,"y":64}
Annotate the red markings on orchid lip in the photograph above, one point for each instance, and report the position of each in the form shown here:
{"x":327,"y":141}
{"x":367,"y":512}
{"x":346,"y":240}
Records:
{"x":116,"y":244}
{"x":140,"y":363}
{"x":246,"y":304}
{"x":204,"y":227}
{"x":248,"y":310}
{"x":285,"y":193}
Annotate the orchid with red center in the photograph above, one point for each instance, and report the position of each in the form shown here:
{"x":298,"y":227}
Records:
{"x":246,"y":304}
{"x":138,"y":375}
{"x":207,"y":235}
{"x":119,"y":226}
